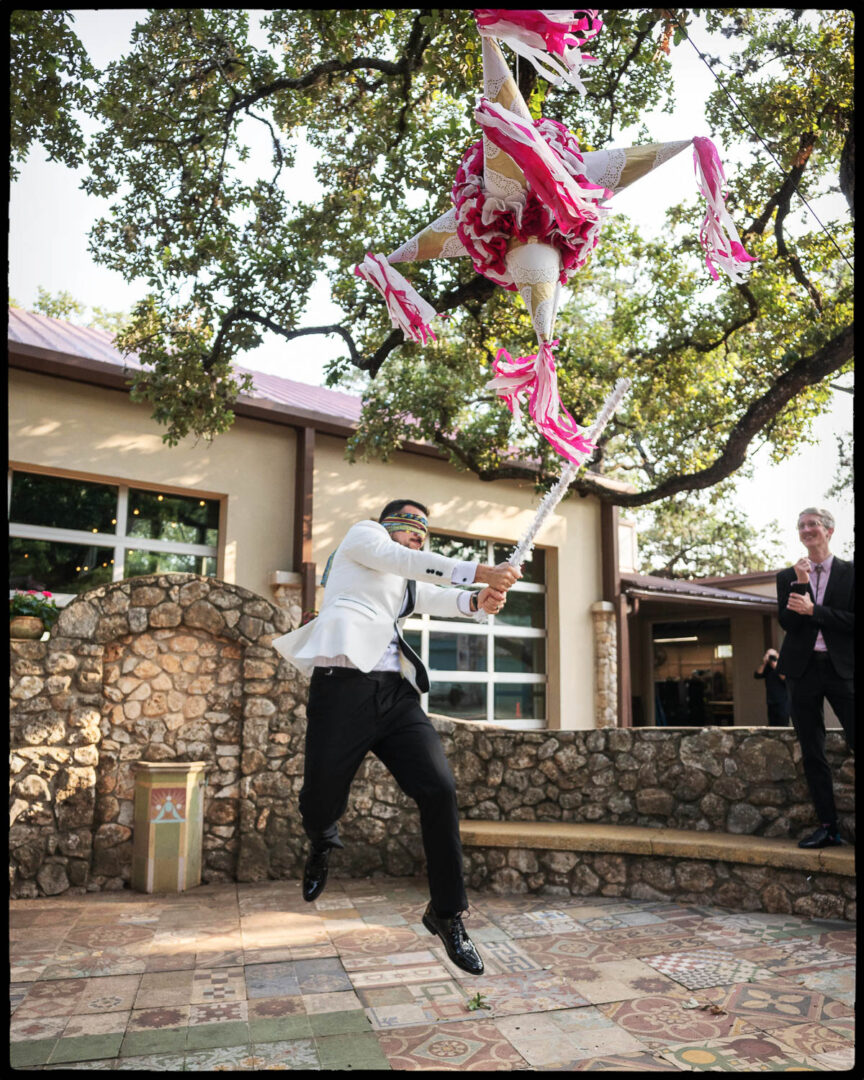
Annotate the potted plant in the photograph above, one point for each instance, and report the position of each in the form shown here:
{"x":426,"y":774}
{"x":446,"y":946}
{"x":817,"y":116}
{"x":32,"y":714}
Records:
{"x":31,"y":614}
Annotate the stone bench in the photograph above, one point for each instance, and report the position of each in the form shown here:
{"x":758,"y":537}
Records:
{"x":738,"y":871}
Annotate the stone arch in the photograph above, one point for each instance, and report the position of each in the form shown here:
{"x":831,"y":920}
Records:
{"x":166,"y":667}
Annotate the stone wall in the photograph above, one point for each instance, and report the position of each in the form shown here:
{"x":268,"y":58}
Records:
{"x":165,"y":667}
{"x":731,"y":780}
{"x":655,"y":877}
{"x":178,"y":667}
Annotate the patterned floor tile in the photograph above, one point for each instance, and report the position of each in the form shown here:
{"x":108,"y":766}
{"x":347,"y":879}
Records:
{"x":100,"y":1024}
{"x":764,"y":926}
{"x":845,"y":1025}
{"x":285,"y":1054}
{"x":98,"y":963}
{"x":28,"y":970}
{"x":499,"y":958}
{"x":396,"y":976}
{"x":534,"y":923}
{"x":339,"y":1001}
{"x":660,"y":1020}
{"x":421,"y":1003}
{"x":113,"y":993}
{"x":36,"y":1027}
{"x":474,"y":1046}
{"x":841,"y":941}
{"x":216,"y":958}
{"x":210,"y":1036}
{"x":58,"y":998}
{"x":558,"y":950}
{"x":811,"y":1039}
{"x":617,"y":980}
{"x":17,"y":993}
{"x":321,"y":976}
{"x":773,"y":1004}
{"x":179,"y":960}
{"x":222,"y":1059}
{"x":705,"y":967}
{"x":218,"y":1012}
{"x":151,"y":1063}
{"x":740,"y":1053}
{"x":160,"y":1018}
{"x":793,"y":955}
{"x":271,"y":980}
{"x":86,"y":1048}
{"x":313,"y":951}
{"x":837,"y":983}
{"x":164,"y":988}
{"x":643,"y":1062}
{"x":532,"y":991}
{"x":842,"y":1060}
{"x":383,"y":942}
{"x":615,"y":922}
{"x":133,"y":939}
{"x":555,"y":1037}
{"x":391,"y":960}
{"x":357,"y":1050}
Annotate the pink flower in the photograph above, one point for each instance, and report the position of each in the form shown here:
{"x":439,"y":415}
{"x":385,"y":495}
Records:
{"x":47,"y":593}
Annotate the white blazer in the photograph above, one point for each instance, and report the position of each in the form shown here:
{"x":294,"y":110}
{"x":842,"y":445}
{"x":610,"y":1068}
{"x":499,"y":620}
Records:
{"x":363,"y":597}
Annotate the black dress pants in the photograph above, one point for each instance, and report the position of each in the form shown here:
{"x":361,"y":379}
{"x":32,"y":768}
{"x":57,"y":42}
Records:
{"x":817,"y":683}
{"x":350,"y":713}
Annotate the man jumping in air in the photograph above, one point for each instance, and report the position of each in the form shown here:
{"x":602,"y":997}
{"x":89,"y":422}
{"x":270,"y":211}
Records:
{"x":365,"y":695}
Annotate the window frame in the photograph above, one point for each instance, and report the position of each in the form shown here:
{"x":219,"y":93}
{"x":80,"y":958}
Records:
{"x":118,"y":541}
{"x":427,"y":624}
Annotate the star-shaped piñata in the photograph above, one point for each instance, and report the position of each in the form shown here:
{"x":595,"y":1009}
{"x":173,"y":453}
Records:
{"x":528,"y":207}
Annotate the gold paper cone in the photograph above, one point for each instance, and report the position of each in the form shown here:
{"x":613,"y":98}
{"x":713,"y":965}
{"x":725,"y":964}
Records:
{"x":535,"y":270}
{"x":501,"y":175}
{"x":618,"y":168}
{"x":436,"y":241}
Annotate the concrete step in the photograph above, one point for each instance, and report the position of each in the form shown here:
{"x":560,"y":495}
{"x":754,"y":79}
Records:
{"x":639,"y":840}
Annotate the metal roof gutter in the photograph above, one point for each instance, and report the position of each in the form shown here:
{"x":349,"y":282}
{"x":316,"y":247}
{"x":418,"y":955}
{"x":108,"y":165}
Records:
{"x":745,"y":603}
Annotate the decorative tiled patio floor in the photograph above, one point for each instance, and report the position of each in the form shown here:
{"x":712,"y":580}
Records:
{"x":249,"y":977}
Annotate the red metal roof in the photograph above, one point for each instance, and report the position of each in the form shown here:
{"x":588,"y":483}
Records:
{"x":58,"y":335}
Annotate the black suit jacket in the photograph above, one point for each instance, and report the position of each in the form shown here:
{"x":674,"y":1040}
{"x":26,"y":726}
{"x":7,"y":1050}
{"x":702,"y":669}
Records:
{"x":835,"y":617}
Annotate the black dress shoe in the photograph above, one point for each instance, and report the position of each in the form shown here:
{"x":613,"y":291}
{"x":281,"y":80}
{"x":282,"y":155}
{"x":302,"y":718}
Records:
{"x":460,"y":948}
{"x":315,"y":874}
{"x":822,"y":837}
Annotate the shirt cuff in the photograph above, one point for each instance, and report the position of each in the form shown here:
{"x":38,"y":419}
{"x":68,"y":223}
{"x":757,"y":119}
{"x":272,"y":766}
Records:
{"x":463,"y":574}
{"x":463,"y":601}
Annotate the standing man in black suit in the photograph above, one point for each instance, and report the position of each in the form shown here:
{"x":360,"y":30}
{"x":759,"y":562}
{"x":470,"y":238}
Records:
{"x":815,"y":598}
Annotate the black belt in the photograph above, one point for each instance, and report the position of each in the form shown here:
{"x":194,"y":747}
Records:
{"x":353,"y":673}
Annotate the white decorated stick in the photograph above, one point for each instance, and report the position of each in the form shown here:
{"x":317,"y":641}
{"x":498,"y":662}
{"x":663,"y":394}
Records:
{"x":556,"y":494}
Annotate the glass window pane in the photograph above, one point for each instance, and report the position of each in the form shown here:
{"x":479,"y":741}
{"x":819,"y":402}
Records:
{"x":459,"y":547}
{"x":457,"y":652}
{"x":516,"y":654}
{"x":180,"y":518}
{"x":523,"y":609}
{"x":414,"y":639}
{"x":60,"y":568}
{"x":520,"y":701}
{"x":465,"y":701}
{"x":58,"y":502}
{"x":139,"y":563}
{"x":533,"y":571}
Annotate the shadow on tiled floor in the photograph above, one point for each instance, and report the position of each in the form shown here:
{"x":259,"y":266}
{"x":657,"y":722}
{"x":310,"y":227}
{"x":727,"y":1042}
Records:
{"x":249,"y":977}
